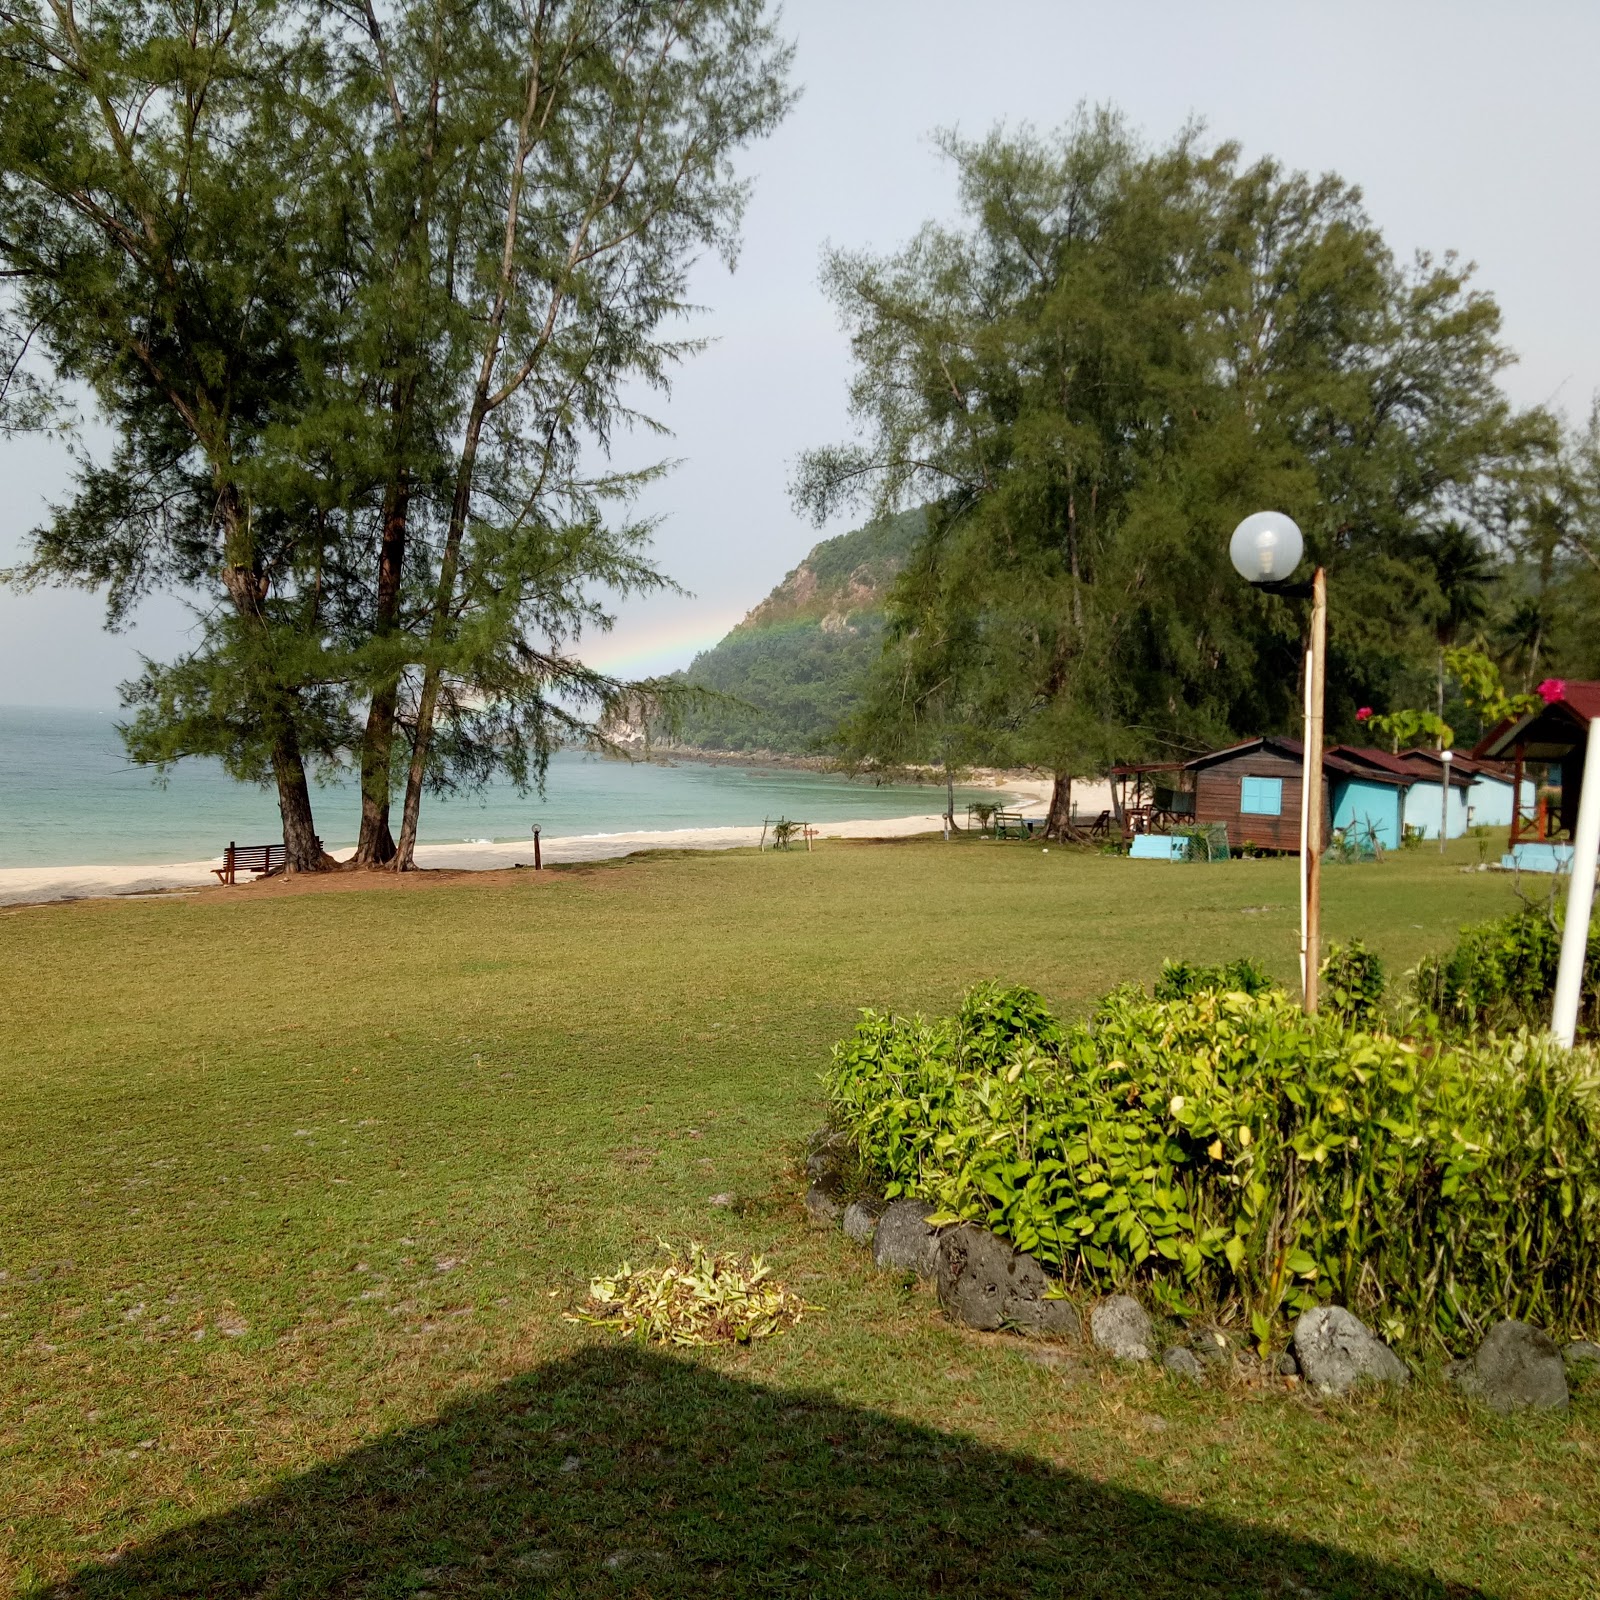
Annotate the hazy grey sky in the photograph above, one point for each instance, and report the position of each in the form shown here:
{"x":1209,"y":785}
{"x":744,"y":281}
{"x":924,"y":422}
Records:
{"x":1472,"y":127}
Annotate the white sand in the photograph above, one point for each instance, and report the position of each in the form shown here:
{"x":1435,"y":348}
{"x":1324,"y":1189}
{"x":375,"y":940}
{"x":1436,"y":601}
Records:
{"x":33,"y":885}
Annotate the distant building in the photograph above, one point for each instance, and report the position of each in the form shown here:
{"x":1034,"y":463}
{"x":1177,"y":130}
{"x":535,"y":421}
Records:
{"x":1254,"y":789}
{"x":1422,"y":804}
{"x":1554,"y":736}
{"x":1492,"y":797}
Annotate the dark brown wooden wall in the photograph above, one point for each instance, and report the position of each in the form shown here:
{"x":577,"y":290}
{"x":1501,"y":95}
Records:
{"x":1216,"y":799}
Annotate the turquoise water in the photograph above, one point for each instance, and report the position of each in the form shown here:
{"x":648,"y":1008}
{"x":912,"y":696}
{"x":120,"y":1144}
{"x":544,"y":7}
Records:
{"x":69,"y":796}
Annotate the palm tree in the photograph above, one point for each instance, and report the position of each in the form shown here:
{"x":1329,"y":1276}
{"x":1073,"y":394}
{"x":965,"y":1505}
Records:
{"x":1462,"y":573}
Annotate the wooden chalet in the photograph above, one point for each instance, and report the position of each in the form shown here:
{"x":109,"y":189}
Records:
{"x":1254,"y":789}
{"x":1553,"y":735}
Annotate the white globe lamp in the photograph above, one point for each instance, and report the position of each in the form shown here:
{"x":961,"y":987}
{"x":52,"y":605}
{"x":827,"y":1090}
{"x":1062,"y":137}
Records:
{"x":1266,"y":547}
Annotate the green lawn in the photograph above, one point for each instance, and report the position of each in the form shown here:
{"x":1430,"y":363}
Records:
{"x":294,"y":1191}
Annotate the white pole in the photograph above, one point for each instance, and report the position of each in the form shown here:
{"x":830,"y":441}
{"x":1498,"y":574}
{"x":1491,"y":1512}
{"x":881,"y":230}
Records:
{"x":1305,"y":817}
{"x":1444,"y":803}
{"x":1580,"y":896}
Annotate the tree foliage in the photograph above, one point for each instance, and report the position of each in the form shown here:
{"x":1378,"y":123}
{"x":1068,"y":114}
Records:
{"x":363,"y":294}
{"x":1117,"y":355}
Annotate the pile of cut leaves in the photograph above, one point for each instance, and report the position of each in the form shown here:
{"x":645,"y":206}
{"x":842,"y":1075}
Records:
{"x":693,"y":1297}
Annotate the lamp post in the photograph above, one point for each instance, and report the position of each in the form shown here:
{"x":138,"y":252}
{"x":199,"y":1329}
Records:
{"x":1265,"y":549}
{"x":1445,"y":758}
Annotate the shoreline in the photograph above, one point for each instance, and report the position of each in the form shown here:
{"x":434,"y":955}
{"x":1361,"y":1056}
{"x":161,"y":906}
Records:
{"x":44,"y":885}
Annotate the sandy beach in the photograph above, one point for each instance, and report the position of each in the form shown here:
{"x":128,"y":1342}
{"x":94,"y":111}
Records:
{"x":38,"y":885}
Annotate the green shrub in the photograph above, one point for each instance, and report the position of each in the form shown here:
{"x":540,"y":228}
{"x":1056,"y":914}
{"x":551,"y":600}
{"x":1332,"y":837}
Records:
{"x":1352,"y":984}
{"x":1502,"y":975}
{"x":1180,"y":979}
{"x":1228,"y":1150}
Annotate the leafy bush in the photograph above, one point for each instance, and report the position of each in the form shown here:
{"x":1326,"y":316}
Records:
{"x":1180,"y":979}
{"x":1352,"y":984}
{"x":1502,"y":975}
{"x":1231,"y":1151}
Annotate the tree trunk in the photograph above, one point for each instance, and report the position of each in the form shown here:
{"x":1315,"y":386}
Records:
{"x":1058,"y":824}
{"x":375,"y":846}
{"x":302,"y":849}
{"x":461,"y":501}
{"x":247,"y":589}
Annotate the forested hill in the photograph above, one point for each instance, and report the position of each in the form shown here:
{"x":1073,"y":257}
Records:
{"x":800,"y":655}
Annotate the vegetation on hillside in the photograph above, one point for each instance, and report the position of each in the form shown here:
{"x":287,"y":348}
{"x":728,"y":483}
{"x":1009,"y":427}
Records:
{"x":797,"y":664}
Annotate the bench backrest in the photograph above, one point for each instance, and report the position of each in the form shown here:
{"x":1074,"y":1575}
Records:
{"x":255,"y":857}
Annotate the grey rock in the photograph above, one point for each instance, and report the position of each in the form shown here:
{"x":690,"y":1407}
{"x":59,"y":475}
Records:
{"x":984,"y":1283}
{"x":1336,"y":1351}
{"x":1516,"y":1367}
{"x":827,"y":1154}
{"x":1582,"y":1358}
{"x":1212,"y":1347}
{"x":824,"y":1204}
{"x":903,"y":1241}
{"x":1285,"y":1365}
{"x":861,"y":1218}
{"x":1120,"y":1327}
{"x":1184,"y":1363}
{"x":1031,"y":1310}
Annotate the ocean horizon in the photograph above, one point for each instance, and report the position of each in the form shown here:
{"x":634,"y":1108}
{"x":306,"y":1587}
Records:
{"x":69,"y":796}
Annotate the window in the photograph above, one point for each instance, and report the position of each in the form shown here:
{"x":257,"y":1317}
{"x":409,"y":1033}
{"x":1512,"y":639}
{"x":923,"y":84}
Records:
{"x":1261,"y":797}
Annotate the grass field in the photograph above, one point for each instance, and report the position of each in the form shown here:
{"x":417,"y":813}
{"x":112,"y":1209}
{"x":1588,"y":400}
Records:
{"x":294,"y":1191}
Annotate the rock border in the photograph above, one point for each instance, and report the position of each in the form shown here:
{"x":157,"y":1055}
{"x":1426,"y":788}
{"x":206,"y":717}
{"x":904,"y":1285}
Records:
{"x":985,"y":1283}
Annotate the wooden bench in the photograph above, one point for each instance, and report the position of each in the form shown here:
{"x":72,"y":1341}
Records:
{"x":261,"y":859}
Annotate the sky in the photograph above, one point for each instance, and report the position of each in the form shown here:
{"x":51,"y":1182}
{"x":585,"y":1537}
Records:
{"x":1471,"y":127}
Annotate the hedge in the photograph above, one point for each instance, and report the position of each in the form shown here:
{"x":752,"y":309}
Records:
{"x":1232,"y":1154}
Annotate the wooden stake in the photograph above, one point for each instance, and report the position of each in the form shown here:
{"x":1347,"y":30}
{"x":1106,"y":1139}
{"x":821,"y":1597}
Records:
{"x":1311,"y":840}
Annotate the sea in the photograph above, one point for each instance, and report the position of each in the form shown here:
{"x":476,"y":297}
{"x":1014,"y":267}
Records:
{"x":69,"y":796}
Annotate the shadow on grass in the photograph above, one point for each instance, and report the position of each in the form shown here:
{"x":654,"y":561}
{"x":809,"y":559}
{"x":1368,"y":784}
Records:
{"x":618,"y":1471}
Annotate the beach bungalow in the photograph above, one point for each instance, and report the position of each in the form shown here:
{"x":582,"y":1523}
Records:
{"x":1421,"y":796}
{"x":1254,"y":789}
{"x":1555,"y":735}
{"x":1492,"y":795}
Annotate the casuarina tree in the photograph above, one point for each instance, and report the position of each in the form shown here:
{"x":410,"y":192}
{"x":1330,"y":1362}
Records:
{"x":365,"y":295}
{"x":1121,"y":353}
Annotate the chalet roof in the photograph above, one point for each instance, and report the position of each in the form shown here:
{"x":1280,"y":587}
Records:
{"x":1290,"y":749}
{"x":1409,"y":766}
{"x":1471,"y":765}
{"x":1552,"y":730}
{"x":1338,"y":760}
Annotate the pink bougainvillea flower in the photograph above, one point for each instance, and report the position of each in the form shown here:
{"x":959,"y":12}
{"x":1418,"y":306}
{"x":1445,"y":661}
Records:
{"x":1553,"y":689}
{"x":1363,"y":713}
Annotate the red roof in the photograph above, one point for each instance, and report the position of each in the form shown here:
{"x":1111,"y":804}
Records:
{"x":1560,"y":724}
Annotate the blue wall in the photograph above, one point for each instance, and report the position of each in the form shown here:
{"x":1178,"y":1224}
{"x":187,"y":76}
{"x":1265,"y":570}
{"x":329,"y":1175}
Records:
{"x":1374,"y":805}
{"x":1490,"y":799}
{"x":1422,"y":810}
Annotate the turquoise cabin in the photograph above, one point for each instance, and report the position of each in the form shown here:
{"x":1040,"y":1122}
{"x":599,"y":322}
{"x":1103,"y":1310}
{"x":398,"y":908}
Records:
{"x":1365,"y":804}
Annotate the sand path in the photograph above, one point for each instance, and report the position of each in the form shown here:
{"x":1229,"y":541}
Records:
{"x":36,"y":885}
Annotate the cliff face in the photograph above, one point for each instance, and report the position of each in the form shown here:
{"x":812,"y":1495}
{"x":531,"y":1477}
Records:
{"x":799,"y":656}
{"x":840,"y":577}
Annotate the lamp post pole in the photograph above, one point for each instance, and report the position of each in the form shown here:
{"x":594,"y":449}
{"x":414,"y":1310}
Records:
{"x":1445,"y":758}
{"x":1311,"y":842}
{"x":1265,"y":549}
